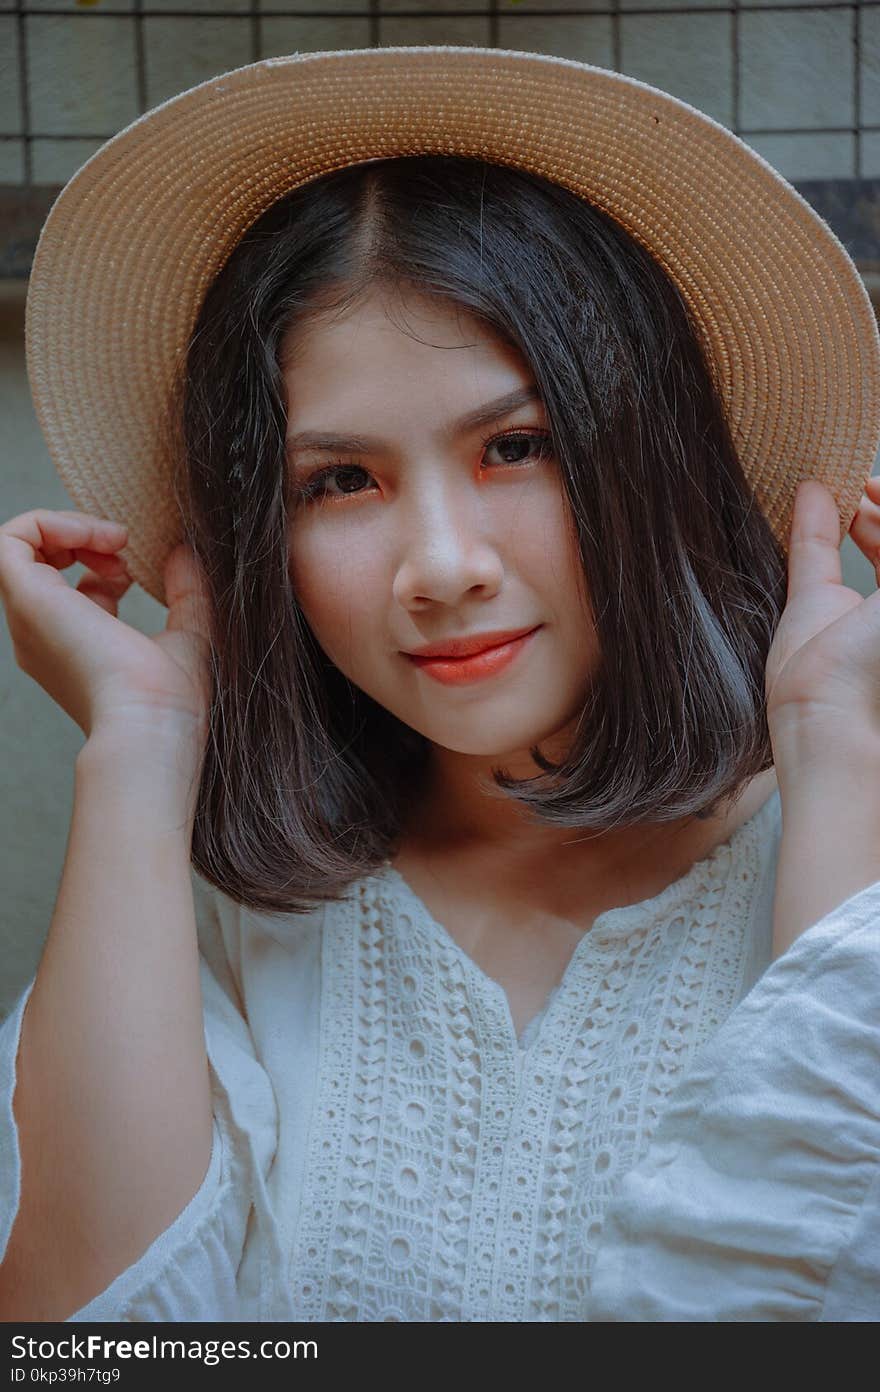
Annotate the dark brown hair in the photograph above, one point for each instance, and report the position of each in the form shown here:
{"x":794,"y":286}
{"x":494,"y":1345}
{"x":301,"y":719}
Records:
{"x":307,"y":782}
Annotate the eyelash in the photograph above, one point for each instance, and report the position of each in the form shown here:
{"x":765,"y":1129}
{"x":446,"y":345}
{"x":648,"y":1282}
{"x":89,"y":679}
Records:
{"x":311,"y":490}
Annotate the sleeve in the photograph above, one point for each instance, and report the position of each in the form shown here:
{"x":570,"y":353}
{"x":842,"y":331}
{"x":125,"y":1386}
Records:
{"x":190,"y":1272}
{"x":758,"y":1198}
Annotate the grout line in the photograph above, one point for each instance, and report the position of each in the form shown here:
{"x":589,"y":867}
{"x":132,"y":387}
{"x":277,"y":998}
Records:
{"x":24,"y":94}
{"x":140,"y":57}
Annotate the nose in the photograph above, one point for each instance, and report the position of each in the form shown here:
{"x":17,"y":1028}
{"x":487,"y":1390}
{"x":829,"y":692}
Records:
{"x":446,"y":554}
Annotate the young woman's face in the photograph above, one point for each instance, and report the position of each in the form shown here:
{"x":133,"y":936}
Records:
{"x":420,"y":531}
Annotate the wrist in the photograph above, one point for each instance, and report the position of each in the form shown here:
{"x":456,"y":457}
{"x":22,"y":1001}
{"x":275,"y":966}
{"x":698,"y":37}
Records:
{"x":162,"y":732}
{"x":162,"y":763}
{"x":829,"y":849}
{"x":809,"y":752}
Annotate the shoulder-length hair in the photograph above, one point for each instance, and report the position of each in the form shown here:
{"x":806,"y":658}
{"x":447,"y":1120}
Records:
{"x":307,"y":781}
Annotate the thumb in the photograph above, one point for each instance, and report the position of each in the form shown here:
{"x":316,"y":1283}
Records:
{"x":186,"y":592}
{"x":814,"y":546}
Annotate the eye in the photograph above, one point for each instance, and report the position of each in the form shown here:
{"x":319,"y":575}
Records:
{"x":526,"y":447}
{"x":343,"y":473}
{"x":517,"y":443}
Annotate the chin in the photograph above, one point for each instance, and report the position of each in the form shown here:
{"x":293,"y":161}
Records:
{"x":494,"y":746}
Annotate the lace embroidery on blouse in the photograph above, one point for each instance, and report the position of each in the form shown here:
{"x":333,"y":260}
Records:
{"x":454,"y":1173}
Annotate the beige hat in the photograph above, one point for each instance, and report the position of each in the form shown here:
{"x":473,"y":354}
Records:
{"x":138,"y":234}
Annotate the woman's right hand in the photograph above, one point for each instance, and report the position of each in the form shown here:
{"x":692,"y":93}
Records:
{"x":101,"y":671}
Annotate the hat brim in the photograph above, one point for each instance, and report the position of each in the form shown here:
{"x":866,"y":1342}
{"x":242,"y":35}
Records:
{"x":136,"y":237}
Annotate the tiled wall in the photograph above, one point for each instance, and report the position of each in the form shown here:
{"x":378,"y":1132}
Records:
{"x":800,"y":82}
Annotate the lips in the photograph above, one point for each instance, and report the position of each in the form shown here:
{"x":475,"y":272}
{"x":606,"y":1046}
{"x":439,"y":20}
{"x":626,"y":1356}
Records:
{"x":487,"y":662}
{"x":469,"y":645}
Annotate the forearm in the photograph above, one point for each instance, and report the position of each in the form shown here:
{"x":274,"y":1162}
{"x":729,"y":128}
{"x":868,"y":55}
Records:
{"x":830,"y":847}
{"x":112,"y":1097}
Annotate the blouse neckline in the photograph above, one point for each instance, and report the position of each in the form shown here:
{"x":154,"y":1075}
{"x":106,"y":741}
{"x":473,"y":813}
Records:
{"x":623,"y":918}
{"x":607,"y":929}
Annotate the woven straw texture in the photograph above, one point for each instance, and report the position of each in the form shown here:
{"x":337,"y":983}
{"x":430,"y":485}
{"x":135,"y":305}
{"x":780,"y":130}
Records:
{"x":136,"y":237}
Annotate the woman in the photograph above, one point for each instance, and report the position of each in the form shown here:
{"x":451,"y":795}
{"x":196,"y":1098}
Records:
{"x":517,"y":996}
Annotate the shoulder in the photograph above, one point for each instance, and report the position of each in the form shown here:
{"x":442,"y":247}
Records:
{"x":255,"y":946}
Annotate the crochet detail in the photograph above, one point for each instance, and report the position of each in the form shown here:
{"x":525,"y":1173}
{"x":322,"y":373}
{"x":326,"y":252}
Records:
{"x":456,"y":1173}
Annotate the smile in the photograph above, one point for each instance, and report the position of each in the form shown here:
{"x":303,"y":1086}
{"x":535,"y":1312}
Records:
{"x":455,"y":671}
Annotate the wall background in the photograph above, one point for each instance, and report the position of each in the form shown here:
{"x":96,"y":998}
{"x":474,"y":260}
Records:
{"x":799,"y":82}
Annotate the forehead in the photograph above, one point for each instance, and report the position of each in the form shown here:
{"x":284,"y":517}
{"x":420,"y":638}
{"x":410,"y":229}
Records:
{"x":390,"y":321}
{"x":360,"y":394}
{"x":391,"y":365}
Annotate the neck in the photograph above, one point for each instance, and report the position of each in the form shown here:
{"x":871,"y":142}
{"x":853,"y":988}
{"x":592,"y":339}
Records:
{"x":490,"y":834}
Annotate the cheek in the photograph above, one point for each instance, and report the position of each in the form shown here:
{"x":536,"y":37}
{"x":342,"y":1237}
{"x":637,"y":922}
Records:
{"x":548,"y":557}
{"x":336,"y":584}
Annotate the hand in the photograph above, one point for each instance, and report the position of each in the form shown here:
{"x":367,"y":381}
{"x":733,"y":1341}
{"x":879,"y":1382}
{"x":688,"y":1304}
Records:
{"x":865,"y":526}
{"x":101,"y":671}
{"x":823,"y":668}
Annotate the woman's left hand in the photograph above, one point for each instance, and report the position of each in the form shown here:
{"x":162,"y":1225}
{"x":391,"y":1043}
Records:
{"x":823,"y":668}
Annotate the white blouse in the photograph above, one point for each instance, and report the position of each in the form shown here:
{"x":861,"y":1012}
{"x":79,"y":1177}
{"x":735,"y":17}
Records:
{"x":685,"y":1132}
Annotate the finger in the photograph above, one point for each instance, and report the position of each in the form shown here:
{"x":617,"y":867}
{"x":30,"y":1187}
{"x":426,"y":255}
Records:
{"x":45,"y":529}
{"x":104,"y":562}
{"x":104,"y":590}
{"x":104,"y":545}
{"x":186,"y":592}
{"x":872,"y":488}
{"x":106,"y":580}
{"x":814,"y":546}
{"x":865,"y":529}
{"x":53,"y":537}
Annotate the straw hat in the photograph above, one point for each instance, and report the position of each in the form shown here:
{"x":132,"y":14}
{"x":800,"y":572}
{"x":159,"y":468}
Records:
{"x":136,"y":237}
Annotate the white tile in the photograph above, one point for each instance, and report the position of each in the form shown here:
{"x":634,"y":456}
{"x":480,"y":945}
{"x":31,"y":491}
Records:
{"x":679,"y":4}
{"x":283,"y":36}
{"x":233,"y":6}
{"x":796,"y":69}
{"x":807,"y":156}
{"x":870,"y":155}
{"x":10,"y":97}
{"x":762,"y":4}
{"x":181,"y":53}
{"x":73,"y":7}
{"x":507,"y":8}
{"x":585,"y":40}
{"x":690,"y":56}
{"x":461,"y":29}
{"x":81,"y":75}
{"x":389,"y":6}
{"x":359,"y":7}
{"x":56,"y":161}
{"x":870,"y":55}
{"x":11,"y":161}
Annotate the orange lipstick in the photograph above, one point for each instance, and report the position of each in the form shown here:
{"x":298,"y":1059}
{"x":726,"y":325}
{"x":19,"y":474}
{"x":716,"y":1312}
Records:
{"x":456,"y":671}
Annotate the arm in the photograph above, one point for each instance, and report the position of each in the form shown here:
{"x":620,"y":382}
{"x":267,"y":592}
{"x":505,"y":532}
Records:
{"x":113,"y":1098}
{"x":830,"y":847}
{"x":759,"y":1195}
{"x":822,"y":679}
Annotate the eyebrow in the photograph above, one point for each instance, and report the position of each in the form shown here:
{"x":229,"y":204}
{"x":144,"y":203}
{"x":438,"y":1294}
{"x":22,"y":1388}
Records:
{"x":369,"y":444}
